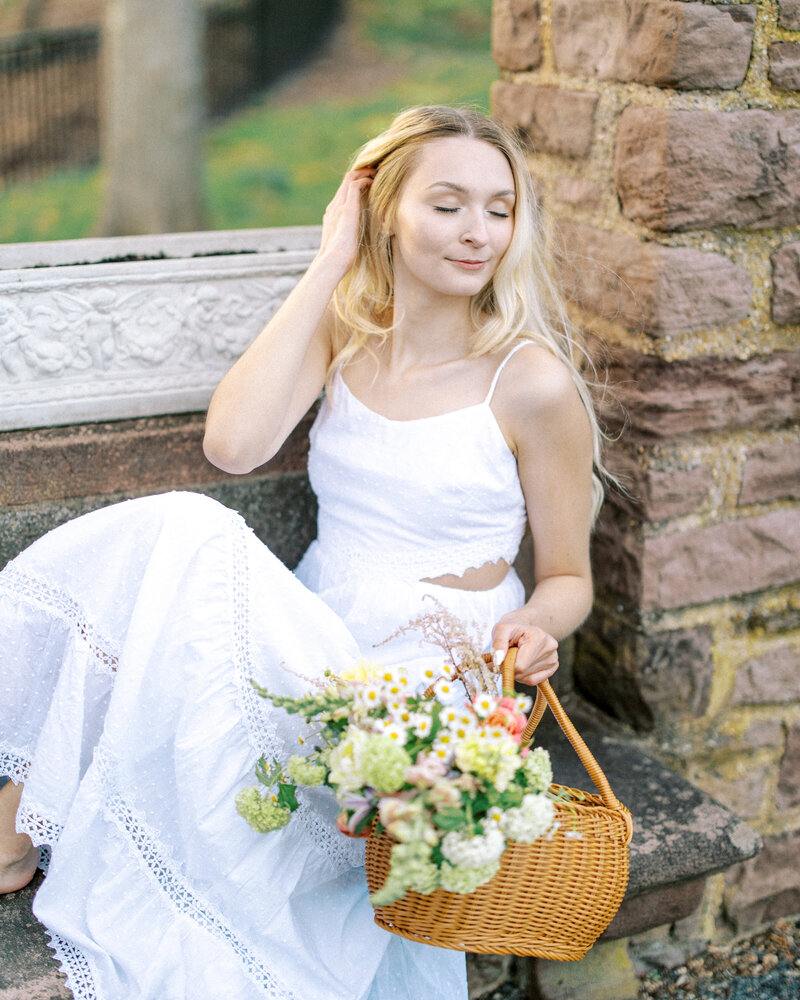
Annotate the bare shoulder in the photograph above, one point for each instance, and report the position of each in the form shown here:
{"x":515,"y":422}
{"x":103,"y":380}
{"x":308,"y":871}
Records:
{"x":536,"y":386}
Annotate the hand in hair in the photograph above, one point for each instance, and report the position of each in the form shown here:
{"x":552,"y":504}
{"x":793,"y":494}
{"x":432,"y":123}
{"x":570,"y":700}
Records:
{"x":341,"y":224}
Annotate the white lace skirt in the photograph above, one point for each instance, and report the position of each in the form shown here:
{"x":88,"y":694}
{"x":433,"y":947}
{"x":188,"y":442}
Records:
{"x":127,"y":641}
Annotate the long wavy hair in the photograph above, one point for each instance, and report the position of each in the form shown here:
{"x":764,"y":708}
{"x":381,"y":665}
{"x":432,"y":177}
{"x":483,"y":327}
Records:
{"x":521,"y":301}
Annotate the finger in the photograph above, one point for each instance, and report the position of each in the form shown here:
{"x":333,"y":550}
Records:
{"x":501,"y":640}
{"x":533,"y":670}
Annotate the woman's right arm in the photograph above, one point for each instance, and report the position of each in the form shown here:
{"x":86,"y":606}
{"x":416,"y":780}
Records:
{"x":275,"y":381}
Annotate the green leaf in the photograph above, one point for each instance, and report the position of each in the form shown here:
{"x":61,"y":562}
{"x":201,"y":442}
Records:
{"x":450,"y":819}
{"x":267,"y":772}
{"x":364,"y":823}
{"x":287,"y":796}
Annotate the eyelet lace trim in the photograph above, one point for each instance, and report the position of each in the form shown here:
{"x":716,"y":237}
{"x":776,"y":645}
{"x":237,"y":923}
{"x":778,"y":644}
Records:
{"x":34,"y":590}
{"x":14,"y":763}
{"x":43,"y":832}
{"x":413,"y":565}
{"x":341,"y":853}
{"x":76,"y":967}
{"x":159,"y":866}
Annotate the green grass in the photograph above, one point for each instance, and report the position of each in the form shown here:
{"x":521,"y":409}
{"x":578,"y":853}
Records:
{"x":279,"y":165}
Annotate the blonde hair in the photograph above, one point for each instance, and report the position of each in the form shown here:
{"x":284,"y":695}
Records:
{"x":521,"y":301}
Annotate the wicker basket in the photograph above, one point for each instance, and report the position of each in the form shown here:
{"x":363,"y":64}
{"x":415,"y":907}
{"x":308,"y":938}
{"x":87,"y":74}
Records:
{"x":552,"y":898}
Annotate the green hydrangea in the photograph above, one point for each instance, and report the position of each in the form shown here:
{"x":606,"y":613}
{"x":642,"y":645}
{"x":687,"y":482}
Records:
{"x":465,"y":880}
{"x":410,"y":867}
{"x":263,"y":814}
{"x":496,"y":761}
{"x":304,"y":771}
{"x":538,"y":769}
{"x":384,"y":764}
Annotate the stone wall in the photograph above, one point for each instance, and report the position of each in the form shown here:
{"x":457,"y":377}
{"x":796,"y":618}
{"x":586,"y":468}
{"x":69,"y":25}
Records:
{"x":665,"y":145}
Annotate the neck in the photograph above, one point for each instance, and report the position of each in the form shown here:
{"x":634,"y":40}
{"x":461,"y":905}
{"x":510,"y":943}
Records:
{"x":430,"y":329}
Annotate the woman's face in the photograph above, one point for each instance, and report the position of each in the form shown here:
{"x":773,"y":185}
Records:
{"x":454,"y":218}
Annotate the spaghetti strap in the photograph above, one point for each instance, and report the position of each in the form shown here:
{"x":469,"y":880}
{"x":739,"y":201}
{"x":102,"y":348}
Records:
{"x":500,"y":368}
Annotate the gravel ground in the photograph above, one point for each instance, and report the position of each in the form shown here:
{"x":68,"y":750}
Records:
{"x":764,"y":967}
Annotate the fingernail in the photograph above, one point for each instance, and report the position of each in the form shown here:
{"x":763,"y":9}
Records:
{"x":498,"y":656}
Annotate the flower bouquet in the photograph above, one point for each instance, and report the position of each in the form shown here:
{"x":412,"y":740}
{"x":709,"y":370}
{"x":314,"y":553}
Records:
{"x":447,"y":779}
{"x":470,"y":845}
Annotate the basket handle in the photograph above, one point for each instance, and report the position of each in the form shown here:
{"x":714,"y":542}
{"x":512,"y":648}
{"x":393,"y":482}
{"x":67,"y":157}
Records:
{"x":545,"y":695}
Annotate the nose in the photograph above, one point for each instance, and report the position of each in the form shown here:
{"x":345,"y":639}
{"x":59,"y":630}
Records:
{"x":476,"y":234}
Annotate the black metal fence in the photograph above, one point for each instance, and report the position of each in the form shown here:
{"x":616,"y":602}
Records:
{"x":49,"y":96}
{"x":50,"y":80}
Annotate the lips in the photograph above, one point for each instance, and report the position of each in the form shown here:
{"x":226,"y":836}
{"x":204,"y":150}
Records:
{"x":470,"y":265}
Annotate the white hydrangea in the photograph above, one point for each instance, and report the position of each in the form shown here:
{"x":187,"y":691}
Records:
{"x":533,"y":817}
{"x":346,"y":760}
{"x":465,"y":851}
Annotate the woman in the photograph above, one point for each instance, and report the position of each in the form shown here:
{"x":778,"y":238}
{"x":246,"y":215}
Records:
{"x":453,"y":411}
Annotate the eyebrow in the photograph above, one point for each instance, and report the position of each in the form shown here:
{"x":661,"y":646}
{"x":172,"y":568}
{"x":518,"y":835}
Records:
{"x":463,"y":190}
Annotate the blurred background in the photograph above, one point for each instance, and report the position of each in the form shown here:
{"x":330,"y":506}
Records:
{"x":289,"y":91}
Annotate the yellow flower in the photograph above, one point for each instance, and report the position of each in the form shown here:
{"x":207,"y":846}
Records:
{"x":361,"y":671}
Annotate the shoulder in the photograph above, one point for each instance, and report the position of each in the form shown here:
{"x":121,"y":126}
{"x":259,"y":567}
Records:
{"x":537,"y":397}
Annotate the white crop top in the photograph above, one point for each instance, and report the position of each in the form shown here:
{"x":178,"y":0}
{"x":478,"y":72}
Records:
{"x":417,"y":498}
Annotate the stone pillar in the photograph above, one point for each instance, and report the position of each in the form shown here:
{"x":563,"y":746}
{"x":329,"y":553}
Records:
{"x":665,"y":144}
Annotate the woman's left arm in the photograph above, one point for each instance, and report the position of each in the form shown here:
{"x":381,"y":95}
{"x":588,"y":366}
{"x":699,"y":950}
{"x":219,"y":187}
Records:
{"x":542,"y":413}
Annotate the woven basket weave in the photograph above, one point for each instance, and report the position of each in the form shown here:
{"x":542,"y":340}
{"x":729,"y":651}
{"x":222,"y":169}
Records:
{"x":552,"y":898}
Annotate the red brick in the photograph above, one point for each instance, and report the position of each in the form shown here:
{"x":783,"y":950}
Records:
{"x":784,"y":65}
{"x":786,"y":284}
{"x":155,"y":453}
{"x":516,"y":34}
{"x":789,"y":14}
{"x":721,"y":560}
{"x":772,"y":677}
{"x":789,"y":772}
{"x":647,"y":287}
{"x":771,"y":472}
{"x":556,"y":121}
{"x":665,"y":400}
{"x":658,"y":494}
{"x":768,"y":887}
{"x":678,"y":170}
{"x":577,"y":191}
{"x":686,"y":45}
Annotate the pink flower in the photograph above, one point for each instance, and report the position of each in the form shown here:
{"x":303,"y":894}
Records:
{"x":356,"y":809}
{"x":507,"y":716}
{"x":426,"y":770}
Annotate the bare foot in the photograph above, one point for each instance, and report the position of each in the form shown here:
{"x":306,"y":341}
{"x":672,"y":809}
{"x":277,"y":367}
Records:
{"x":16,"y":873}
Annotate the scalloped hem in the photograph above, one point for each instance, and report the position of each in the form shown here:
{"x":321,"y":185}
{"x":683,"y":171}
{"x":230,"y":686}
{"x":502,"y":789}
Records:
{"x":74,"y":966}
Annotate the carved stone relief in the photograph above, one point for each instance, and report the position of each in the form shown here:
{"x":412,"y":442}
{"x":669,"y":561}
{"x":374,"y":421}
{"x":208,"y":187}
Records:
{"x":103,"y":341}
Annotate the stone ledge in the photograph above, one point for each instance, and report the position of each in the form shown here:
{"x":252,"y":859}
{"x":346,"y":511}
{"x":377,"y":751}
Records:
{"x":680,"y":834}
{"x":153,"y":453}
{"x":281,"y":510}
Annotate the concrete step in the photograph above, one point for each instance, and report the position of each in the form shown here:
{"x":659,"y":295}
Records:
{"x":28,"y":970}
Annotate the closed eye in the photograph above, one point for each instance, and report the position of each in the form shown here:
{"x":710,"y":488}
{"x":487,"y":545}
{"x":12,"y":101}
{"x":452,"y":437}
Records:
{"x":450,"y":211}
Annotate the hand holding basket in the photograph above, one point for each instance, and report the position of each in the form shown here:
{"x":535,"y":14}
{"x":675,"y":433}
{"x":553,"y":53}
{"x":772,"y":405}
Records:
{"x":551,"y":898}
